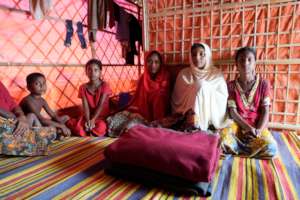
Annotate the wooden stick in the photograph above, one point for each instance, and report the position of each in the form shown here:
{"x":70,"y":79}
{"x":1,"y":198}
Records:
{"x":174,"y":35}
{"x":283,"y":126}
{"x":221,"y":36}
{"x":146,"y":25}
{"x":182,"y":29}
{"x":193,"y":24}
{"x":17,"y":64}
{"x":156,"y":33}
{"x":226,"y":11}
{"x":171,"y":12}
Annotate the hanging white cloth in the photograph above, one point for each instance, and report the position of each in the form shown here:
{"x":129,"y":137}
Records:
{"x":39,"y":8}
{"x":204,"y":91}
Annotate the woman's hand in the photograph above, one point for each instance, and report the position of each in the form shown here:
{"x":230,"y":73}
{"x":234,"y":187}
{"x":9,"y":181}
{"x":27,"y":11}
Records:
{"x":22,"y":126}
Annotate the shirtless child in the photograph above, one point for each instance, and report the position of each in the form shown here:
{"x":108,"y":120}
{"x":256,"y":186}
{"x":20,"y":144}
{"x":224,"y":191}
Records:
{"x":34,"y":103}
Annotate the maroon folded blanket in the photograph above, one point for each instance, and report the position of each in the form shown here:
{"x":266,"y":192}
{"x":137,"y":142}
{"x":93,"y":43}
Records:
{"x":193,"y":157}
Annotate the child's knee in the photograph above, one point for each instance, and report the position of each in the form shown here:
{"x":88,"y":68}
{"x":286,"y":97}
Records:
{"x":100,"y":128}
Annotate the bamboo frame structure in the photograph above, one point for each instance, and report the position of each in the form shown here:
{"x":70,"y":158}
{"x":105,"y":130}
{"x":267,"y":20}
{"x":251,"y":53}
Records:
{"x":272,"y":27}
{"x":38,"y":47}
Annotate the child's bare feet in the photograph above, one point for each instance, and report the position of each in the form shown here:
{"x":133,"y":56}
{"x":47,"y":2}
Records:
{"x":63,"y":133}
{"x":59,"y":134}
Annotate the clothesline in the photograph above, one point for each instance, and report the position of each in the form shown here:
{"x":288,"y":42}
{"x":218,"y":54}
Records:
{"x":13,"y":64}
{"x":57,"y":19}
{"x":28,"y":14}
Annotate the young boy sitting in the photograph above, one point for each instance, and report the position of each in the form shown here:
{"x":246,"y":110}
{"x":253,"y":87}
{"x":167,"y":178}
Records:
{"x":34,"y":103}
{"x":19,"y":134}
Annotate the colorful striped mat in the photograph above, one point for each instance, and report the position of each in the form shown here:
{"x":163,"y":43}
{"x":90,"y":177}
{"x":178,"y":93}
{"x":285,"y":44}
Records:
{"x":74,"y":170}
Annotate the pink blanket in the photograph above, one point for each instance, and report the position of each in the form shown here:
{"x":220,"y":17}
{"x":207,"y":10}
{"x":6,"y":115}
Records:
{"x":193,"y":157}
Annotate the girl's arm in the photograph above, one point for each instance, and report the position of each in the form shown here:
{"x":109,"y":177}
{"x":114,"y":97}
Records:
{"x":86,"y":110}
{"x":240,"y":121}
{"x":263,"y":119}
{"x":100,"y":106}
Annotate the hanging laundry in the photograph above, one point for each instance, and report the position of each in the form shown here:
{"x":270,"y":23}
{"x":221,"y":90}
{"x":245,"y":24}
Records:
{"x":122,"y":33}
{"x":69,"y":35}
{"x":80,"y":35}
{"x":98,"y":12}
{"x":128,"y":32}
{"x":111,"y":14}
{"x":125,"y":48}
{"x":135,"y":35}
{"x":39,"y":8}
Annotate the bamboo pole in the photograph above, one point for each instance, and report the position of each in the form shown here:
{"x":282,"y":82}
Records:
{"x":174,"y":35}
{"x":243,"y":25}
{"x":221,"y":33}
{"x":170,"y":10}
{"x":146,"y":25}
{"x":165,"y":36}
{"x":283,"y":126}
{"x":18,"y":64}
{"x":225,"y":11}
{"x":210,"y":28}
{"x":139,"y":44}
{"x":284,"y":113}
{"x":255,"y":26}
{"x":156,"y":33}
{"x":182,"y":29}
{"x":231,"y":76}
{"x":290,"y":56}
{"x":235,"y":36}
{"x":193,"y":24}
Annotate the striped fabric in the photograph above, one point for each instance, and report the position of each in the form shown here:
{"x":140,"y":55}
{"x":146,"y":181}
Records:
{"x":74,"y":170}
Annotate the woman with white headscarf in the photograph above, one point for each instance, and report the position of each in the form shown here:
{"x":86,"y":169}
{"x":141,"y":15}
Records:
{"x":202,"y":89}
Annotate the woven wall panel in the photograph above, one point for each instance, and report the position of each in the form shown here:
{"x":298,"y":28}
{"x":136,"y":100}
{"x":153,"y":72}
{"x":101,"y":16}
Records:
{"x":28,"y":45}
{"x":272,"y":28}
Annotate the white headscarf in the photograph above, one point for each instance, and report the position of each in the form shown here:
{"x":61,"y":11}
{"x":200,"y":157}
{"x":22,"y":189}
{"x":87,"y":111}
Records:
{"x":204,"y":91}
{"x":209,"y":72}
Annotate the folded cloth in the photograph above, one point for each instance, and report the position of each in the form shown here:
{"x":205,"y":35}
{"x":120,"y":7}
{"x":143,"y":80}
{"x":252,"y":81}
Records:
{"x":193,"y":157}
{"x":152,"y":178}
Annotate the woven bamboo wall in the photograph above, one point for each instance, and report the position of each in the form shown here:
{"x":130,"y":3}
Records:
{"x":272,"y":27}
{"x":28,"y":45}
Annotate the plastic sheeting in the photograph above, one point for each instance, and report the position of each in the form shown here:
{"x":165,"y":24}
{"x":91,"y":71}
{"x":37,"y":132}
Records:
{"x":28,"y":45}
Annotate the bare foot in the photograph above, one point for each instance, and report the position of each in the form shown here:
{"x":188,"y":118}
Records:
{"x":60,"y":135}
